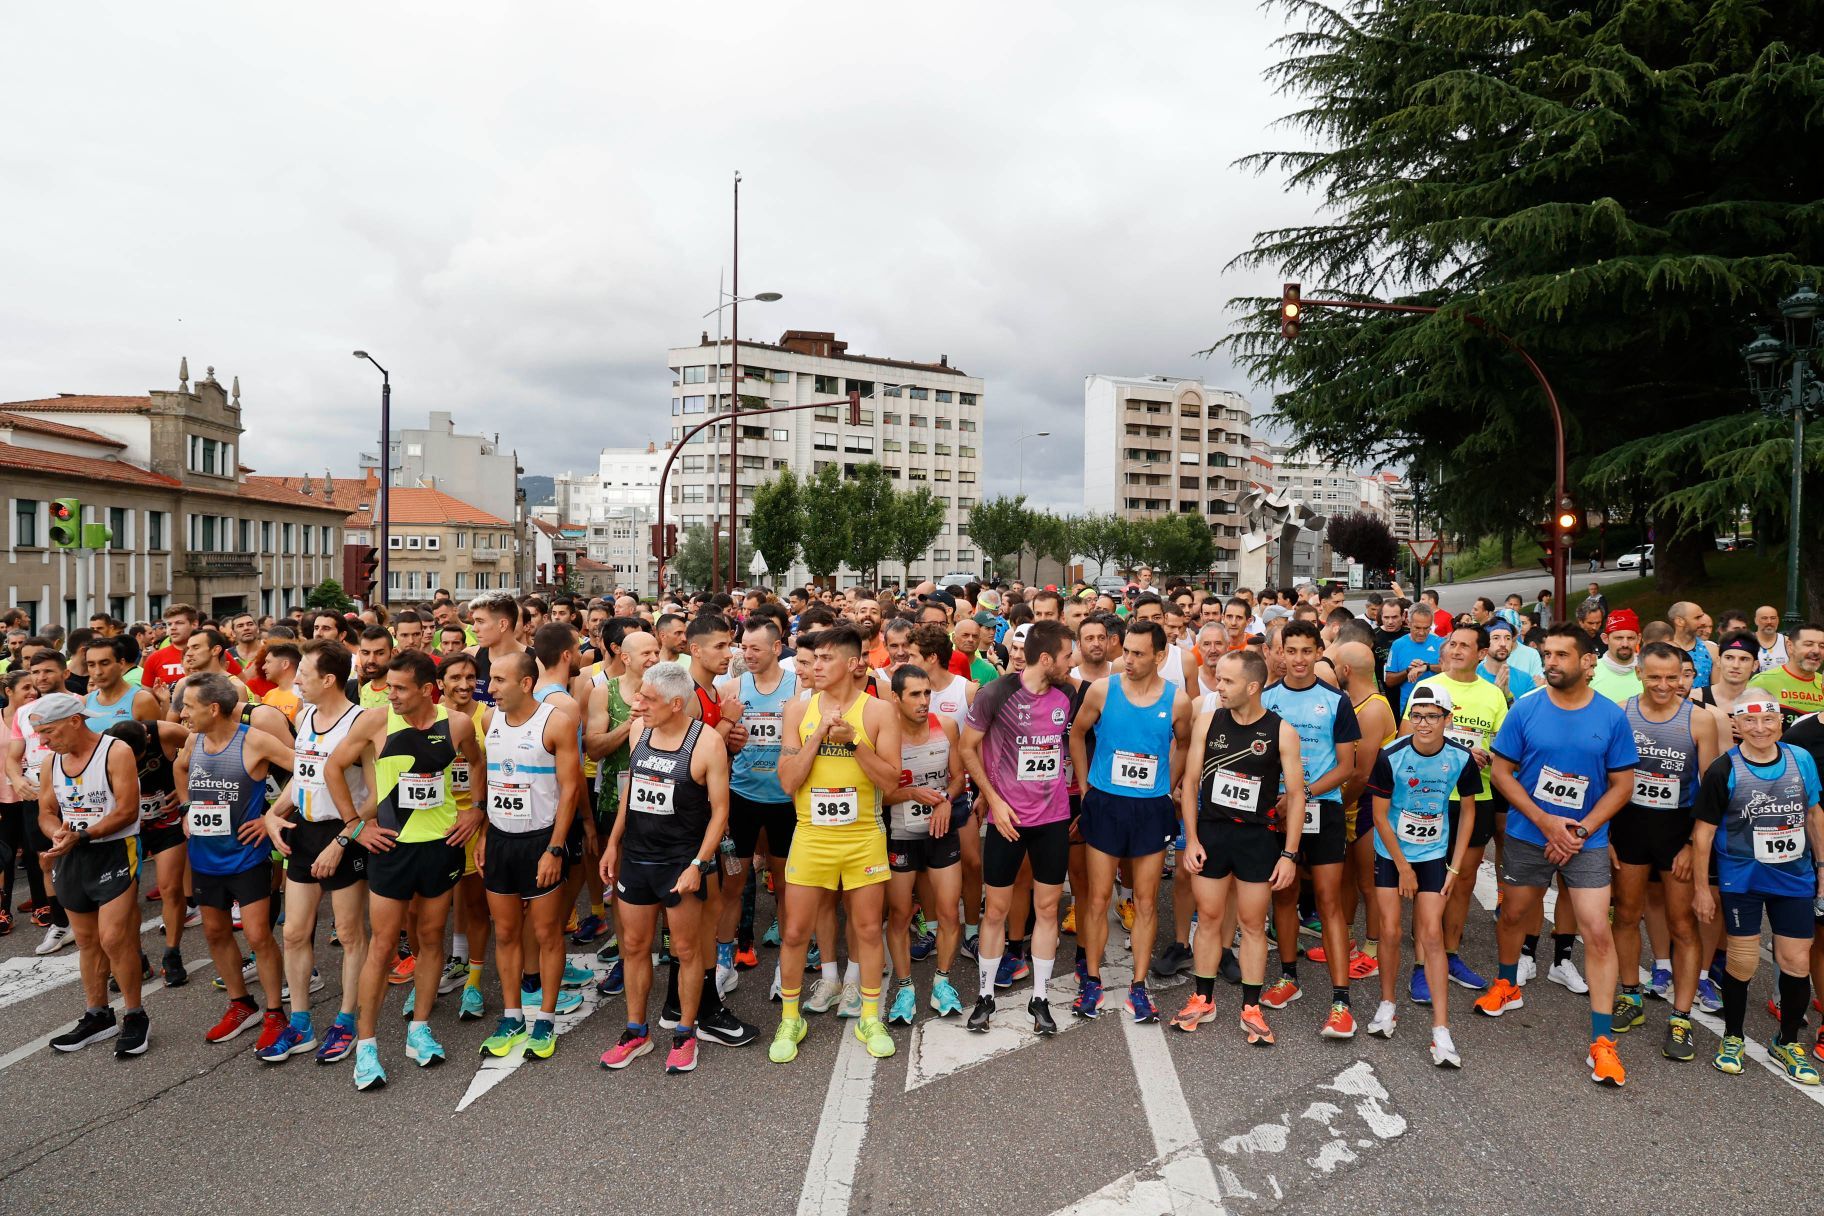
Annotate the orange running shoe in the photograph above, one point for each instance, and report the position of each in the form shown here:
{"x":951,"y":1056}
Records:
{"x":1281,"y":992}
{"x":1254,"y":1023}
{"x":1363,"y":966}
{"x":1605,"y":1063}
{"x":1501,"y":997}
{"x":1340,"y":1024}
{"x":1318,"y":955}
{"x":1196,"y":1011}
{"x":1069,"y":924}
{"x":403,"y":970}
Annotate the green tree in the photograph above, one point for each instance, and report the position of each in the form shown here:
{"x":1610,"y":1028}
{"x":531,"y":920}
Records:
{"x":826,"y":522}
{"x":1129,"y":541}
{"x":1613,"y":185}
{"x":869,"y":497}
{"x":329,"y":594}
{"x":1095,"y":536}
{"x":776,"y":522}
{"x":999,"y":526}
{"x":1059,"y":543}
{"x":1180,"y":544}
{"x":690,"y":568}
{"x":917,"y":521}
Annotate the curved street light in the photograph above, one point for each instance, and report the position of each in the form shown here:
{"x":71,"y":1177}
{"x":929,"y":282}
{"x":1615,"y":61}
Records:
{"x":378,"y":595}
{"x":1020,"y":446}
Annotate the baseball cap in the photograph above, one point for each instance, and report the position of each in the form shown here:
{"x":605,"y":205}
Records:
{"x":985,"y":617}
{"x":1756,"y":701}
{"x":941,"y":597}
{"x":1429,"y":694}
{"x":57,"y":707}
{"x":1018,"y":636}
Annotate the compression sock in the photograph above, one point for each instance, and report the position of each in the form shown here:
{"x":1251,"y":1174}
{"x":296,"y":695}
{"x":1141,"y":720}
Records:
{"x":788,"y":1004}
{"x":459,"y":947}
{"x":1561,"y":947}
{"x":1206,"y":986}
{"x":1735,"y":1004}
{"x":990,"y":966}
{"x":1250,"y":994}
{"x":1510,"y":972}
{"x":1041,"y":975}
{"x":1530,"y":947}
{"x":1795,"y":998}
{"x":870,"y":1002}
{"x":1602,"y":1025}
{"x":1289,"y":969}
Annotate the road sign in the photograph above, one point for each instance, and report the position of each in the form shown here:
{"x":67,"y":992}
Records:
{"x":1357,"y":576}
{"x":1423,"y":550}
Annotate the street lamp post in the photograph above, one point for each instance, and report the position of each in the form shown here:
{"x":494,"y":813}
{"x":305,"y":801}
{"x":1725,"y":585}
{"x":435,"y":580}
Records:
{"x":1764,"y":357}
{"x":1020,"y":446}
{"x":729,"y":300}
{"x":386,"y":440}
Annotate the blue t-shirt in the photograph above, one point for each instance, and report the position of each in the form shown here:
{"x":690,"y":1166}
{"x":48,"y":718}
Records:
{"x":1519,"y":683}
{"x":1402,"y":654}
{"x":1768,"y":821}
{"x":1323,"y":718}
{"x":1421,"y":790}
{"x":1563,"y":758}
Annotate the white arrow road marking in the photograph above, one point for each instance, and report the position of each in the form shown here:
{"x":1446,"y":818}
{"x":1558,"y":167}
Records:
{"x":829,"y":1175}
{"x":119,"y":1003}
{"x":25,"y":976}
{"x":1190,"y":1181}
{"x":495,"y":1069}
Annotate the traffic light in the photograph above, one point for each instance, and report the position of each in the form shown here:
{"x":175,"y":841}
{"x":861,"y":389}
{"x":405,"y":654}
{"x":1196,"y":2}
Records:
{"x":1290,"y":312}
{"x":1567,"y":524}
{"x":541,"y":573}
{"x":855,"y":407}
{"x":671,"y":541}
{"x":562,"y":570}
{"x":367,"y":565}
{"x":655,"y":540}
{"x":66,"y":523}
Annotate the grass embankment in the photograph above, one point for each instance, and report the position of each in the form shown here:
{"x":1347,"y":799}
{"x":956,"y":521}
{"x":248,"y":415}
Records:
{"x":1742,"y":580}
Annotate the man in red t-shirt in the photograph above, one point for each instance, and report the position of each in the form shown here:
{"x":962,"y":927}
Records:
{"x":247,"y":652}
{"x":164,"y":667}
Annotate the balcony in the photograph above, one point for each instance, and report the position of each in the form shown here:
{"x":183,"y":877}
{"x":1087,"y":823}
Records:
{"x":485,"y":556}
{"x":218,"y":565}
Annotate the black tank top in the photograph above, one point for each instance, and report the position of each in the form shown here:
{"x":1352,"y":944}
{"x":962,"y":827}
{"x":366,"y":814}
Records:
{"x":667,"y":809}
{"x":484,"y":664}
{"x":1241,"y":770}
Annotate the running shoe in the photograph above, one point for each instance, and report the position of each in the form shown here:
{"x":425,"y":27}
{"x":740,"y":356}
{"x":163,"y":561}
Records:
{"x":316,"y":980}
{"x":1444,"y":1053}
{"x":721,"y":1027}
{"x":632,"y":1046}
{"x":944,"y":1000}
{"x":411,"y":1004}
{"x":574,"y":976}
{"x":291,"y":1042}
{"x":1529,"y":969}
{"x":508,"y":1034}
{"x":422,"y":1047}
{"x":1728,"y":1056}
{"x":542,"y":1041}
{"x":683,"y":1054}
{"x":272,"y":1025}
{"x":1630,"y":1011}
{"x":1420,"y":987}
{"x":233,"y":1022}
{"x":1125,"y":910}
{"x":1069,"y":923}
{"x":1500,"y":997}
{"x":971,"y":945}
{"x":615,"y":982}
{"x":1175,"y":959}
{"x":1013,"y":969}
{"x":1818,"y":1047}
{"x":1080,"y":968}
{"x":56,"y":937}
{"x":1792,"y":1058}
{"x":1230,"y":967}
{"x":173,"y":967}
{"x":135,"y":1035}
{"x":145,"y":973}
{"x":610,"y":951}
{"x":813,"y":958}
{"x":982,"y":1015}
{"x":1363,"y":966}
{"x":1196,"y":1011}
{"x":455,"y":975}
{"x":1254,"y":1025}
{"x":92,"y":1027}
{"x":1140,"y":1004}
{"x":905,"y":1006}
{"x":235,"y":911}
{"x":771,"y":936}
{"x":1385,"y":1019}
{"x":1311,"y":926}
{"x":1340,"y":1024}
{"x":745,"y":958}
{"x":784,"y":1049}
{"x":923,"y":946}
{"x":40,"y":913}
{"x":338,"y":1041}
{"x":569,"y":1000}
{"x":1708,"y":998}
{"x":403,"y":970}
{"x":1317,"y":955}
{"x":823,"y":996}
{"x":874,"y":1037}
{"x":473,"y":1004}
{"x":193,"y":916}
{"x":570,"y":925}
{"x":1679,"y":1044}
{"x":589,"y":930}
{"x":1463,"y":976}
{"x":6,"y":922}
{"x":1089,"y":999}
{"x":850,"y":1005}
{"x":1282,"y":992}
{"x":1605,"y":1063}
{"x":1565,"y":975}
{"x":1039,"y":1009}
{"x":1660,"y":985}
{"x":368,"y":1073}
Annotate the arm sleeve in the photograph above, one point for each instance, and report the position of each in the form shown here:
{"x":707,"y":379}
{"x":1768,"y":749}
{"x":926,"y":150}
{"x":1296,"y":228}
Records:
{"x":1347,"y":728}
{"x":1714,"y":790}
{"x":1469,"y":779}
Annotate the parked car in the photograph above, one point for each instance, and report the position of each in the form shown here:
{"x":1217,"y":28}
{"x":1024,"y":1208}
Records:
{"x":957,"y":578}
{"x":1636,"y":559}
{"x":1730,"y":544}
{"x":1111,"y":584}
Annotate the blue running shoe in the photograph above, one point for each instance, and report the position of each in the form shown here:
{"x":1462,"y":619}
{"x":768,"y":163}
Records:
{"x":421,"y":1046}
{"x":905,"y":1006}
{"x":1089,"y":1001}
{"x":411,"y":1003}
{"x":615,"y":982}
{"x":291,"y":1042}
{"x":575,"y":976}
{"x":1013,"y":969}
{"x":813,"y":957}
{"x":589,"y":929}
{"x":923,"y":947}
{"x":1141,"y":1005}
{"x":1661,"y":986}
{"x":970,"y":946}
{"x":1463,"y":977}
{"x":473,"y":1005}
{"x":338,"y":1041}
{"x":368,"y":1073}
{"x":944,"y":1000}
{"x":771,"y":936}
{"x":611,"y":950}
{"x":1421,"y":987}
{"x":1708,"y":998}
{"x":1081,"y":967}
{"x":569,"y":1000}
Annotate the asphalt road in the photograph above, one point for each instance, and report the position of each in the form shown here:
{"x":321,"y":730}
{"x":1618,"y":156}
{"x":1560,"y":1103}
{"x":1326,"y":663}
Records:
{"x":1105,"y":1118}
{"x":1459,"y":597}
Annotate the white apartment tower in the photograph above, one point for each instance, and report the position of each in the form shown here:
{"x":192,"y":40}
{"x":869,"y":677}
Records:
{"x":1158,"y":445}
{"x":921,"y":421}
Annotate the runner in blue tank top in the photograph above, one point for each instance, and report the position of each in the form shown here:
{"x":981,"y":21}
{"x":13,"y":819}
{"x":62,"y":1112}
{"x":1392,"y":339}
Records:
{"x":757,"y":804}
{"x":1142,"y":725}
{"x":111,"y":699}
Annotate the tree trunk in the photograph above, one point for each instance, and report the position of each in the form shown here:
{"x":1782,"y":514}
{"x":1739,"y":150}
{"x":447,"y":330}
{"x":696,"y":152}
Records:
{"x":1507,"y":549}
{"x":1678,"y":557}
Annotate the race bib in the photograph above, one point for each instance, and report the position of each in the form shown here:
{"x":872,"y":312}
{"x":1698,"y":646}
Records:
{"x":460,"y":782}
{"x":510,"y":806}
{"x":763,"y":729}
{"x":151,"y":807}
{"x":834,"y":808}
{"x":1655,"y":790}
{"x":1420,"y":830}
{"x":1235,"y":791}
{"x":1468,"y":738}
{"x":1560,"y":789}
{"x":1779,"y":844}
{"x":650,"y":794}
{"x":420,"y":791}
{"x":307,"y":770}
{"x":209,"y":819}
{"x":1133,"y":770}
{"x":1311,"y":814}
{"x":1040,"y":762}
{"x":79,"y":816}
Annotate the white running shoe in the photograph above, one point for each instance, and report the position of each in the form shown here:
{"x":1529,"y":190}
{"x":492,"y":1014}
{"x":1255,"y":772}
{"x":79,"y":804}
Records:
{"x":1565,"y":975}
{"x":1443,"y":1051}
{"x":455,"y":975}
{"x":726,"y":979}
{"x":823,"y":996}
{"x":1385,"y":1019}
{"x":851,"y":1002}
{"x":1528,"y":969}
{"x":56,"y":937}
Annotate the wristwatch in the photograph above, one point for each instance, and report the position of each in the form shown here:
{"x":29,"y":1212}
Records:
{"x":707,"y":867}
{"x":1580,"y":832}
{"x":1288,"y":854}
{"x":82,"y":835}
{"x":556,"y":850}
{"x":343,"y":839}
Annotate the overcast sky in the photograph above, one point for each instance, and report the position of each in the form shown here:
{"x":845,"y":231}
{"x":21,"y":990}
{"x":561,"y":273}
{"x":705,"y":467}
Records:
{"x":518,"y":208}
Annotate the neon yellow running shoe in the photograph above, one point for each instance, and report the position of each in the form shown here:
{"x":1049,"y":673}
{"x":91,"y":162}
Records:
{"x":784,"y":1049}
{"x":873,"y":1034}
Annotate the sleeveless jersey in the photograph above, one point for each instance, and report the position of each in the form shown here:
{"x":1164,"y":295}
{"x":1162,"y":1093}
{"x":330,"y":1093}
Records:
{"x":667,"y":809}
{"x":753,"y":772}
{"x":462,"y":781}
{"x":837,"y":797}
{"x":1133,"y":756}
{"x":311,"y":750}
{"x":611,"y":770}
{"x":1761,"y":844}
{"x":926,"y":764}
{"x":157,"y":779}
{"x":223,"y":797}
{"x":1666,"y":777}
{"x":413,"y":773}
{"x":952,"y":702}
{"x":484,"y":666}
{"x":1241,"y":770}
{"x":1393,"y":730}
{"x":102,"y":716}
{"x":86,"y":798}
{"x":522,"y":773}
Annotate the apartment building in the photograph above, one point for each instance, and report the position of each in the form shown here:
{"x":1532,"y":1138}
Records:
{"x":436,"y":540}
{"x":618,"y":503}
{"x":1160,"y":445}
{"x":437,"y":456}
{"x":923,"y":422}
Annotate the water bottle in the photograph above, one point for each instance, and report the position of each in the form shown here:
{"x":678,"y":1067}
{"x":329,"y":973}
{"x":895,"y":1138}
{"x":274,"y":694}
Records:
{"x":730,"y":863}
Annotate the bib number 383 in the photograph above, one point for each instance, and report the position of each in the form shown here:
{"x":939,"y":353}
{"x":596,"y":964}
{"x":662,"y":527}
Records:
{"x":834,"y":808}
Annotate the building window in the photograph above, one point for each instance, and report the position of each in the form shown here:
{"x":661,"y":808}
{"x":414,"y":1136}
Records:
{"x":943,"y":424}
{"x":966,"y":398}
{"x":920,"y":421}
{"x":889,"y":390}
{"x":827,"y":384}
{"x":966,"y":424}
{"x":781,"y":436}
{"x":155,"y":607}
{"x":693,"y":375}
{"x":917,"y":448}
{"x":693,"y":494}
{"x":695,"y":404}
{"x":309,"y":534}
{"x":890,"y":445}
{"x":266,"y":536}
{"x":414,"y":542}
{"x":943,"y":394}
{"x":692,"y":464}
{"x":892,"y":419}
{"x":864,"y":387}
{"x":155,"y":530}
{"x":943,"y":449}
{"x":859,"y":443}
{"x":25,"y":524}
{"x":965,"y":475}
{"x":291,"y":538}
{"x":916,"y":475}
{"x":328,"y":539}
{"x":462,"y":540}
{"x":965,"y":503}
{"x":943,"y":474}
{"x":247,"y":536}
{"x":823,"y":441}
{"x":117,"y":524}
{"x":919,"y":394}
{"x":940,"y":555}
{"x":966,"y":453}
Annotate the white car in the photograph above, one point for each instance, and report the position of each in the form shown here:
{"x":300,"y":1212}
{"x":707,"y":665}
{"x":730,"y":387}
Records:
{"x":957,"y":578}
{"x":1636,"y":559}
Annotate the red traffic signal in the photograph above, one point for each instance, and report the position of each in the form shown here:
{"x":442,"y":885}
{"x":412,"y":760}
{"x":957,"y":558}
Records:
{"x":367,"y":563}
{"x":855,"y":407}
{"x":562,"y":570}
{"x":1291,"y":312}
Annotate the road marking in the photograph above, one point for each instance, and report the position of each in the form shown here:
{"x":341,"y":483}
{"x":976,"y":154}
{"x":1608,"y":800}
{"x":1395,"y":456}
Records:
{"x":829,"y":1175}
{"x":1183,"y":1166}
{"x":25,"y":1050}
{"x":1757,"y":1053}
{"x":495,"y":1069}
{"x":28,"y":975}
